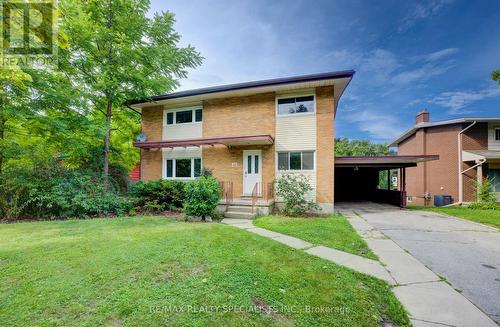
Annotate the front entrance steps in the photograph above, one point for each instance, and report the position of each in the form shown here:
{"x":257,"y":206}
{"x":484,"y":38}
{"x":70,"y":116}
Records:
{"x":241,"y":208}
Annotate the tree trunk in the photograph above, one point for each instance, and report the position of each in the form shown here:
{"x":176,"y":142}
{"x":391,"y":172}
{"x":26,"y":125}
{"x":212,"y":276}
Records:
{"x":107,"y":137}
{"x":2,"y":135}
{"x":109,"y":108}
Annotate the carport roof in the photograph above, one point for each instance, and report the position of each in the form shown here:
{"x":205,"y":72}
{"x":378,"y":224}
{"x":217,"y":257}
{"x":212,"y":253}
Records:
{"x":383,"y":161}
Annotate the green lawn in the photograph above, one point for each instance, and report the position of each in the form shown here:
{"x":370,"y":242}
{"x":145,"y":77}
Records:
{"x":488,"y":217}
{"x":114,"y":271}
{"x":334,"y":231}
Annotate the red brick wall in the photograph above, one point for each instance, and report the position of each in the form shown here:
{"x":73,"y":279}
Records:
{"x":152,"y":126}
{"x":435,"y":177}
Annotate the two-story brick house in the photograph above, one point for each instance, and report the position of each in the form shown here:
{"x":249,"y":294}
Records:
{"x":468,"y":149}
{"x":247,"y":134}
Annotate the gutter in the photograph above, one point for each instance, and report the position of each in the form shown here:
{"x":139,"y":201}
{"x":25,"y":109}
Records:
{"x":460,"y":172}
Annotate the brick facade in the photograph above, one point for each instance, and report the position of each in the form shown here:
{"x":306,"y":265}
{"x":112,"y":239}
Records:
{"x":441,"y":176}
{"x":152,"y":126}
{"x":239,"y":116}
{"x":325,"y":112}
{"x":243,"y":116}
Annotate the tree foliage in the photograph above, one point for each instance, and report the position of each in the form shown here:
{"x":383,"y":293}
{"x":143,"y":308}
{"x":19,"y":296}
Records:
{"x":117,"y":53}
{"x":495,"y":75}
{"x":346,"y":147}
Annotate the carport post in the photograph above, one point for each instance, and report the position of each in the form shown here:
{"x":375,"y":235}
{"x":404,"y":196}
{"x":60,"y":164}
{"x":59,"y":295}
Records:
{"x":388,"y":179}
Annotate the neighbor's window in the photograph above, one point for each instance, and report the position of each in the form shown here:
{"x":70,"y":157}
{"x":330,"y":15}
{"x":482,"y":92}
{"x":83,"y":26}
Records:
{"x":494,"y":177}
{"x":183,"y":168}
{"x":497,"y":134}
{"x":189,"y":115}
{"x":303,"y":160}
{"x":296,"y":105}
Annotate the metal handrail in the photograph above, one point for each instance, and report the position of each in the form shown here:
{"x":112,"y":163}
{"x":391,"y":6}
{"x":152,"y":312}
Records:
{"x":255,"y":192}
{"x":226,"y":192}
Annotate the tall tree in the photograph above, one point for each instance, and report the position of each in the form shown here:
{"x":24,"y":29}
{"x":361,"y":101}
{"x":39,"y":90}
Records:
{"x":346,"y":147}
{"x":117,"y":53}
{"x":495,"y":75}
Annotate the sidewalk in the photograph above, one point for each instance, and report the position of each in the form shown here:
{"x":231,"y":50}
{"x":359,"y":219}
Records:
{"x":429,"y":300}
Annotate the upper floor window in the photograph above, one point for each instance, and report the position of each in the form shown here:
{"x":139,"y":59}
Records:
{"x":296,"y":105}
{"x":183,"y":116}
{"x":497,"y":134}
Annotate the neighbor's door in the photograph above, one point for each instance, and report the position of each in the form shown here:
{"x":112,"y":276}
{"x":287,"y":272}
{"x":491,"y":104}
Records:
{"x":252,"y":170}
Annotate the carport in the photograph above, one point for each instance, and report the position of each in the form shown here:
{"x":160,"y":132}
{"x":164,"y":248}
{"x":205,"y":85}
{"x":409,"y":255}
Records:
{"x":358,"y":178}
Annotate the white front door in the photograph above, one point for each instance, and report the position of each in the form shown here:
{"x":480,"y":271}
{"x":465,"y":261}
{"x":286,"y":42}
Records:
{"x":252,"y":170}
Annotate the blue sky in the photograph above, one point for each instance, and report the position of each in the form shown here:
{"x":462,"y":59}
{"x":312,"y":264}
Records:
{"x":434,"y":54}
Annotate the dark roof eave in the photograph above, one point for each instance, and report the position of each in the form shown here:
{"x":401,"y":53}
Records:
{"x":246,"y":85}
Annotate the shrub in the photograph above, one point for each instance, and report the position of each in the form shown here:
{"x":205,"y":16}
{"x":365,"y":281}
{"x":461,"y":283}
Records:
{"x":485,"y":191}
{"x":202,"y":197}
{"x":159,"y":195}
{"x":485,"y":205}
{"x":293,"y":189}
{"x":47,"y":189}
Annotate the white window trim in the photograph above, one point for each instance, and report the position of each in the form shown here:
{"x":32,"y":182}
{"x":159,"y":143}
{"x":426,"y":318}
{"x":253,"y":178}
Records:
{"x":495,"y":129}
{"x":174,"y":160}
{"x":295,"y":95}
{"x":175,"y":110}
{"x":301,"y":161}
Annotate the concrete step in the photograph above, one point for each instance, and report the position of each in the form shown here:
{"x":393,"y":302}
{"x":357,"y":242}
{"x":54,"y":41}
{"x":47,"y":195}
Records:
{"x":240,"y":208}
{"x":239,"y":215}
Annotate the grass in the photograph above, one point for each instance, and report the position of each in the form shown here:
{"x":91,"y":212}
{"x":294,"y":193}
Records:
{"x":488,"y":217}
{"x":334,"y":231}
{"x":150,"y":271}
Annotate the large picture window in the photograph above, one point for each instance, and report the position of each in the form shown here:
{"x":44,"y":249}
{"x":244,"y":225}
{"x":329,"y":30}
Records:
{"x":296,"y":105}
{"x":300,"y":160}
{"x":183,"y":168}
{"x":184,"y":116}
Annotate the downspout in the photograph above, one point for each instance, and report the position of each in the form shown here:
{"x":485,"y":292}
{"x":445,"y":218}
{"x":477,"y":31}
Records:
{"x":460,"y":172}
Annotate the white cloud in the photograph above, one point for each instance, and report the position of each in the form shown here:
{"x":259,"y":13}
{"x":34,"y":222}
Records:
{"x":422,"y":10}
{"x":381,"y":63}
{"x":379,"y":126}
{"x":422,"y":73}
{"x":440,"y":54}
{"x":457,"y":101}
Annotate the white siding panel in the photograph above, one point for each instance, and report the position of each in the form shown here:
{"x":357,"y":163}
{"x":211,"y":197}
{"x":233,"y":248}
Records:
{"x":311,"y":175}
{"x":492,"y":143}
{"x":182,"y":131}
{"x":295,"y":133}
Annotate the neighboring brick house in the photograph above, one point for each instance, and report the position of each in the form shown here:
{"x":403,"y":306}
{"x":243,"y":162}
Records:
{"x":468,"y":149}
{"x":247,"y":134}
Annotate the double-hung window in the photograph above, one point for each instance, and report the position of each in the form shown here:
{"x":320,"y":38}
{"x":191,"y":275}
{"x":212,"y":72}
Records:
{"x":184,"y":116}
{"x":295,"y":105}
{"x":300,"y":160}
{"x":182,"y":168}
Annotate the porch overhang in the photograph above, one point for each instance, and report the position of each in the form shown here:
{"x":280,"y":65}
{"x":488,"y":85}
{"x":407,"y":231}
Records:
{"x":479,"y":155}
{"x":383,"y":162}
{"x":228,"y":141}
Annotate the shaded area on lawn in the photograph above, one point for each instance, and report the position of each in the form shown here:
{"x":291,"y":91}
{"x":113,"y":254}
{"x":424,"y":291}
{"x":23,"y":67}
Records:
{"x":488,"y":217}
{"x":334,"y":231}
{"x":151,"y":271}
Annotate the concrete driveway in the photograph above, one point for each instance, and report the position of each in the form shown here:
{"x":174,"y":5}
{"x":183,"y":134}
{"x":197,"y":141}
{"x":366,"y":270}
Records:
{"x":465,"y":253}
